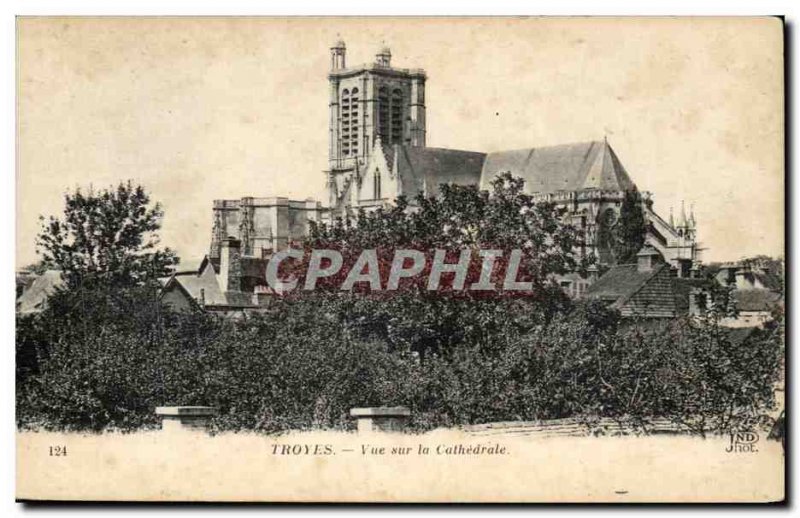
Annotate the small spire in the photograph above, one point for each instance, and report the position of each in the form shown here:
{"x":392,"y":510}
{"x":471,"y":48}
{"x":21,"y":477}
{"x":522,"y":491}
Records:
{"x":671,"y":218}
{"x":338,"y":51}
{"x":384,"y":55}
{"x":683,"y":221}
{"x":339,"y":43}
{"x":692,"y":221}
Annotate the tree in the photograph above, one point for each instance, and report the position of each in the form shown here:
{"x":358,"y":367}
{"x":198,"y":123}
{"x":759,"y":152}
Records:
{"x":503,"y":218}
{"x":606,"y":221}
{"x":460,"y":217}
{"x":37,"y":268}
{"x":629,"y":232}
{"x":109,"y":236}
{"x":102,"y":358}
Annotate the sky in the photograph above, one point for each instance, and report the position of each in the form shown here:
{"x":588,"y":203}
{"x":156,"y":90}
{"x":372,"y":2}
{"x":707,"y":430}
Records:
{"x":198,"y":109}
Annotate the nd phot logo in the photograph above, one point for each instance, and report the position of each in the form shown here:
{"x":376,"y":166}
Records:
{"x":743,"y":442}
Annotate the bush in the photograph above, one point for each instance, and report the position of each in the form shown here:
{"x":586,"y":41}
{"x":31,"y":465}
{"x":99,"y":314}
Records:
{"x":306,"y":361}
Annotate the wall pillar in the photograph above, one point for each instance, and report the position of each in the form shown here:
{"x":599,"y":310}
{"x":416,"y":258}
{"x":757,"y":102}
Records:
{"x":381,"y":419}
{"x":185,"y":418}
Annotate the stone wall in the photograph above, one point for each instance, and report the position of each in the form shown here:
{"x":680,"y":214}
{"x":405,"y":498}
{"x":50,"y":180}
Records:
{"x":262,"y":224}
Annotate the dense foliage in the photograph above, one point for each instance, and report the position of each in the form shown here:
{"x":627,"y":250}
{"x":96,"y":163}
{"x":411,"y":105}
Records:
{"x":503,"y":218}
{"x":307,"y":361}
{"x":631,"y":229}
{"x":108,"y":236}
{"x":104,"y":356}
{"x":620,"y":237}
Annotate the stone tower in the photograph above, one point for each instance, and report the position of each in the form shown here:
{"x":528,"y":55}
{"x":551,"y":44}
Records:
{"x":368,"y":103}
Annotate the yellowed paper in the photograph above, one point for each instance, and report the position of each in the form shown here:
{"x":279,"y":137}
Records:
{"x":200,"y":110}
{"x":152,"y":467}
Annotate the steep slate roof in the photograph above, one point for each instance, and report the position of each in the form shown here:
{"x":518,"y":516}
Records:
{"x":636,"y":293}
{"x":738,"y":335}
{"x":207,"y":282}
{"x":619,"y":281}
{"x":752,"y":276}
{"x":768,"y":279}
{"x":424,"y":169}
{"x":567,"y":167}
{"x":34,"y":298}
{"x":189,"y":265}
{"x":756,"y":299}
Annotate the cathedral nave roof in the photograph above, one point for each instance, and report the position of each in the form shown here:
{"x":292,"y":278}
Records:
{"x":566,"y":167}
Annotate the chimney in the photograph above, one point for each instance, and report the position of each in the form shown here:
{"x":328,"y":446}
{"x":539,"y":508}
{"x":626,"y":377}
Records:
{"x":693,"y":309}
{"x":230,"y":265}
{"x":699,"y":301}
{"x":647,"y":259}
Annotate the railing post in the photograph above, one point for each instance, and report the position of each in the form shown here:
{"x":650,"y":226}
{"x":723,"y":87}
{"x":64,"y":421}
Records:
{"x":381,"y":419}
{"x":185,"y":418}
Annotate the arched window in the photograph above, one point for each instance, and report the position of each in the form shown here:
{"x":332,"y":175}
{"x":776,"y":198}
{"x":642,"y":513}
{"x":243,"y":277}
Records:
{"x":354,"y":122}
{"x":397,"y":116}
{"x":376,"y":185}
{"x":345,"y":122}
{"x":383,"y":114}
{"x":584,"y":231}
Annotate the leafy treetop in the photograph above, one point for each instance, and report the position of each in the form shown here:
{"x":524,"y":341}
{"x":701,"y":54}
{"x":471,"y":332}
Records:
{"x":630,"y":229}
{"x":504,"y":218}
{"x":108,"y":236}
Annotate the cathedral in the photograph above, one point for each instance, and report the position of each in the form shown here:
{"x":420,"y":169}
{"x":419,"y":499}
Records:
{"x":377,"y":151}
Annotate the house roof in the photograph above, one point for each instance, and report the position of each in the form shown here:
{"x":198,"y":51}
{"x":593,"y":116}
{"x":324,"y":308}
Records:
{"x":751,"y":276}
{"x":567,"y":167}
{"x":189,"y":265}
{"x":34,"y":298}
{"x":739,"y":335}
{"x":423,"y":169}
{"x":756,"y":300}
{"x":768,"y":279}
{"x":204,"y":284}
{"x":636,"y":292}
{"x":193,"y":284}
{"x":621,"y":281}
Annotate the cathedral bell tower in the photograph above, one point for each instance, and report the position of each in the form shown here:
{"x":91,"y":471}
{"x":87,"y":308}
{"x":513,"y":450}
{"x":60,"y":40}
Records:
{"x":366,"y":102}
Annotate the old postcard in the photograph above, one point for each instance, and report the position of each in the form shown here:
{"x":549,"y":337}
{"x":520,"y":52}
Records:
{"x":393,"y":260}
